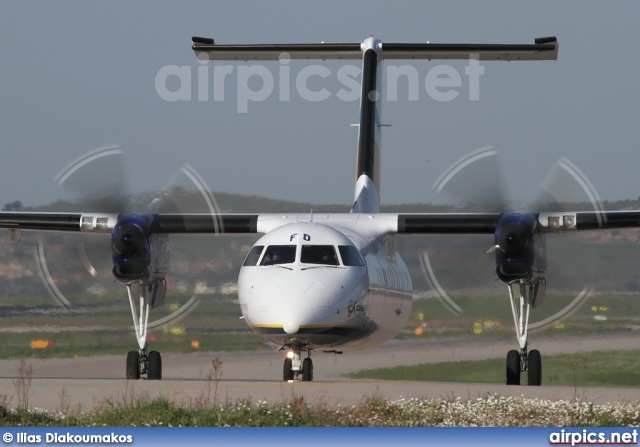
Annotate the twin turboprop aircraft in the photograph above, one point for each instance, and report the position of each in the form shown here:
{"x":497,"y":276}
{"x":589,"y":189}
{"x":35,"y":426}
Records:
{"x":330,"y":281}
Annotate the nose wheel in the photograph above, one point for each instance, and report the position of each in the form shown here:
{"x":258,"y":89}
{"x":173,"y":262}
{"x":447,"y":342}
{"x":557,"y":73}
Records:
{"x":307,"y":370}
{"x":293,"y":367}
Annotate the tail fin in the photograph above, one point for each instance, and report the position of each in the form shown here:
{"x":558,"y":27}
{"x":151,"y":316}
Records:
{"x":372,"y":51}
{"x":367,"y":193}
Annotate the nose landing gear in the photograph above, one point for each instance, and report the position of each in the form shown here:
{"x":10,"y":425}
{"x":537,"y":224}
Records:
{"x":294,"y":366}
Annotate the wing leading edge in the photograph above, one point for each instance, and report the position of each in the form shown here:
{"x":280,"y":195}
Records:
{"x":548,"y":222}
{"x":387,"y":223}
{"x":106,"y":222}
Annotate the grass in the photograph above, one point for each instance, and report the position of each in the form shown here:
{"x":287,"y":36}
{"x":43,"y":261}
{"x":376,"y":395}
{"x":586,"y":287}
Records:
{"x":95,"y":344}
{"x":610,"y":368}
{"x":102,"y":327}
{"x":371,"y":411}
{"x":489,"y":314}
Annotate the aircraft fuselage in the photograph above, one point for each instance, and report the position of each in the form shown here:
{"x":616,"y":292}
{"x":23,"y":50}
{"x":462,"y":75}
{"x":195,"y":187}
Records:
{"x":327,"y":287}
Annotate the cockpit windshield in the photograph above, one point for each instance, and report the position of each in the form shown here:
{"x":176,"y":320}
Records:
{"x":309,"y":254}
{"x":254,"y":255}
{"x":279,"y":254}
{"x":350,"y":256}
{"x":319,"y":254}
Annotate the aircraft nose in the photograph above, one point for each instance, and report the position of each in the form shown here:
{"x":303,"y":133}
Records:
{"x":296,"y":302}
{"x":291,"y":327}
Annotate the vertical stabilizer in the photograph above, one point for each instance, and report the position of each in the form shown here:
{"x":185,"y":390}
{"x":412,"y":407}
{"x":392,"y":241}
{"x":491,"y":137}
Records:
{"x":367,"y":192}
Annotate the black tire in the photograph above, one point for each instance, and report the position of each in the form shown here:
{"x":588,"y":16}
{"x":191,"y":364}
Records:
{"x":535,"y":368}
{"x":307,"y":370}
{"x":287,"y":372}
{"x":133,"y":365}
{"x":154,"y":366}
{"x":513,"y":367}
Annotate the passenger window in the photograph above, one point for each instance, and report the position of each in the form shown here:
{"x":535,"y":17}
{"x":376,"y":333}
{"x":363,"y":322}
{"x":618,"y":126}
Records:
{"x":319,"y":254}
{"x":279,"y":254}
{"x":253,"y":256}
{"x":350,"y":256}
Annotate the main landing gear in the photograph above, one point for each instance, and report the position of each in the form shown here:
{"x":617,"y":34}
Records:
{"x":140,"y":363}
{"x":529,"y":361}
{"x":293,"y":366}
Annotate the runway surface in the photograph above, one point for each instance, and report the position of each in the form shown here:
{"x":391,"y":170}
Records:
{"x":91,"y":381}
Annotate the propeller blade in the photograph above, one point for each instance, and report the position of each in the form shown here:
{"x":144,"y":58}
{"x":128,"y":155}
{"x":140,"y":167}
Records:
{"x":97,"y":180}
{"x":571,"y":189}
{"x":475,"y":181}
{"x":185,"y":193}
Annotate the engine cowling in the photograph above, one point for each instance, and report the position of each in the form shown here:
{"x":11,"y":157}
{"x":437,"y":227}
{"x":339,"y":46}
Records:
{"x":519,"y":248}
{"x":139,"y":253}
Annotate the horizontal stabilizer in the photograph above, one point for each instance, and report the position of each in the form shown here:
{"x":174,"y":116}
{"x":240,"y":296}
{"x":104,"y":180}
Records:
{"x":267,"y":52}
{"x":545,"y":48}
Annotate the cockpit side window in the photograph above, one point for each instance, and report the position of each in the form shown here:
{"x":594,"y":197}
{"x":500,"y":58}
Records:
{"x":279,"y":254}
{"x":350,"y":256}
{"x":319,"y":254}
{"x":253,"y":256}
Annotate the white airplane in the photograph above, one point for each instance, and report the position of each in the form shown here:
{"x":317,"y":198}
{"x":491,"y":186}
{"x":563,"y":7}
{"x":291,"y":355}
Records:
{"x":331,"y":281}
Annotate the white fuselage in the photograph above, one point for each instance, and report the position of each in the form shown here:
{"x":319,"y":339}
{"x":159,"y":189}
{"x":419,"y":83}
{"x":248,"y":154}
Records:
{"x":332,"y":288}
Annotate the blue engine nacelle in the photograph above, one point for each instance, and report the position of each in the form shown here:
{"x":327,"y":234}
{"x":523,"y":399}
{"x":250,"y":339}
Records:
{"x":520,"y":248}
{"x":139,"y":253}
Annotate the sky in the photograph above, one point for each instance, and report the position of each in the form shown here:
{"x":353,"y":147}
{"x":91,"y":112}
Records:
{"x":76,"y":76}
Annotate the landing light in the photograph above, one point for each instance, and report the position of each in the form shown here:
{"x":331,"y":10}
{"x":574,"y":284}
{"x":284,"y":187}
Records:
{"x":290,"y":354}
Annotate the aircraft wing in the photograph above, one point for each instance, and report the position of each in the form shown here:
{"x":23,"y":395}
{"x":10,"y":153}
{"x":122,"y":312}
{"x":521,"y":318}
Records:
{"x":40,"y":221}
{"x":419,"y":223}
{"x":548,"y":222}
{"x":106,"y":222}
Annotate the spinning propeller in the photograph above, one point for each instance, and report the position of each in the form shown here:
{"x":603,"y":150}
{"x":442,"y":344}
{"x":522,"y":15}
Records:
{"x":477,"y":183}
{"x":67,"y":263}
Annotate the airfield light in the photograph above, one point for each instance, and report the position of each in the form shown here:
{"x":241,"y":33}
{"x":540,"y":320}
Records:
{"x":42,"y":344}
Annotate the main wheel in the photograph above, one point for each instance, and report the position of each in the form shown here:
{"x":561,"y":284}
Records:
{"x":154,"y":366}
{"x":287,"y":372}
{"x":535,"y":368}
{"x":513,"y":367}
{"x":133,"y":365}
{"x":307,"y":370}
